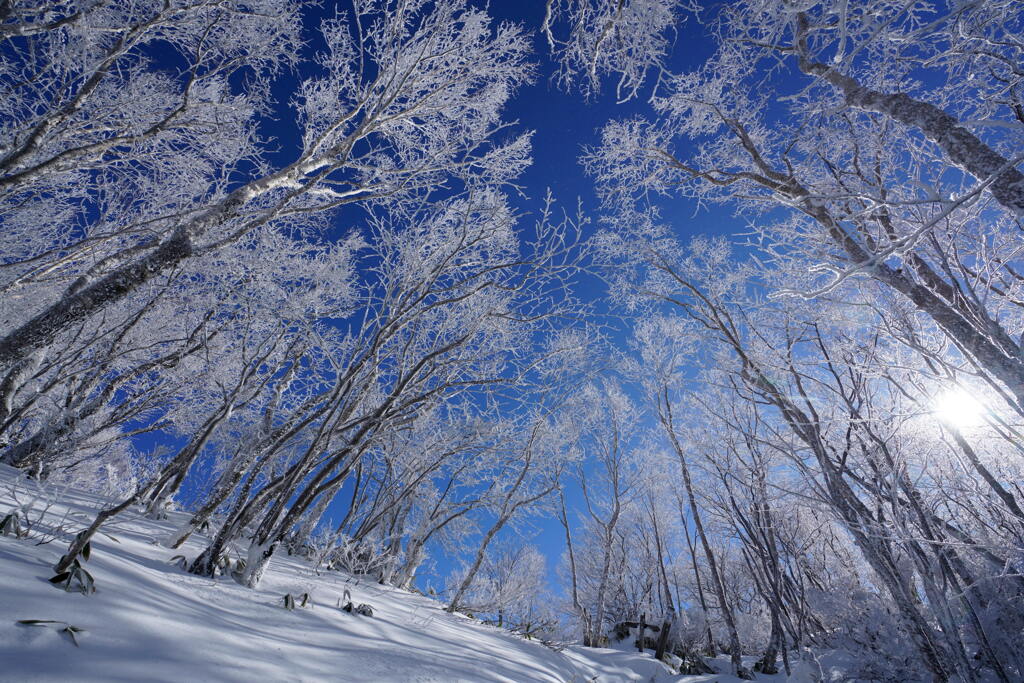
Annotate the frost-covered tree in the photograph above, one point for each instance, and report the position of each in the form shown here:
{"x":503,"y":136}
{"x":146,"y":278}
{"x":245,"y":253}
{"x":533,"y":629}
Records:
{"x":446,"y":317}
{"x":178,"y":241}
{"x":874,"y":149}
{"x":510,"y":589}
{"x":406,"y":97}
{"x":605,"y":429}
{"x":525,"y":473}
{"x":824,"y":399}
{"x":888,"y":134}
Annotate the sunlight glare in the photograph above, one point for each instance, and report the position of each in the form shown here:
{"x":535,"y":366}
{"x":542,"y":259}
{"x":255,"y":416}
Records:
{"x":959,"y":409}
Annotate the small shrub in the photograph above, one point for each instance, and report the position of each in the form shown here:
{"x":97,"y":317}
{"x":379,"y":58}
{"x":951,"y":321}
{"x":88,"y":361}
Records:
{"x":76,"y":578}
{"x":304,"y":600}
{"x":67,"y":629}
{"x":32,"y":516}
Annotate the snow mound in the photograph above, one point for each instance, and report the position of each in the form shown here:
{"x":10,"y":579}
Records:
{"x":149,"y":620}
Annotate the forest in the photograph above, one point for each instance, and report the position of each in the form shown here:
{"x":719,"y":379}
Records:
{"x":292,"y":275}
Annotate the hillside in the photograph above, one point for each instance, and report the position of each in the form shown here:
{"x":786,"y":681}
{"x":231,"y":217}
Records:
{"x":149,"y":620}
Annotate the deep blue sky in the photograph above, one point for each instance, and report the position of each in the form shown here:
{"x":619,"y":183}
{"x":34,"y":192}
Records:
{"x":565,"y":122}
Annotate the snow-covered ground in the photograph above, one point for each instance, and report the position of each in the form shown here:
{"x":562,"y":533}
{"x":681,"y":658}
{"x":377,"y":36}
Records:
{"x":150,"y":621}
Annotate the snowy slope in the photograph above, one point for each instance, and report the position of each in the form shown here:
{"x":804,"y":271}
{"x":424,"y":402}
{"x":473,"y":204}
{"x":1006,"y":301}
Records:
{"x":151,"y":621}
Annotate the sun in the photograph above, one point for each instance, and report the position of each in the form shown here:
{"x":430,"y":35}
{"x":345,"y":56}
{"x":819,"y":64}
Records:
{"x":959,"y":409}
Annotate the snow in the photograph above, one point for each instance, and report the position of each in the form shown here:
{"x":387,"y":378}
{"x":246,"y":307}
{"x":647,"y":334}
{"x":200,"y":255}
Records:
{"x":602,"y":664}
{"x":149,"y":620}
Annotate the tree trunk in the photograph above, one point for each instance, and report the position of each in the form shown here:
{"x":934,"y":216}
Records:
{"x":767,"y":664}
{"x":73,"y":308}
{"x":257,"y":562}
{"x":666,"y":628}
{"x":961,"y":146}
{"x":477,"y":561}
{"x":83,"y":538}
{"x":716,"y":578}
